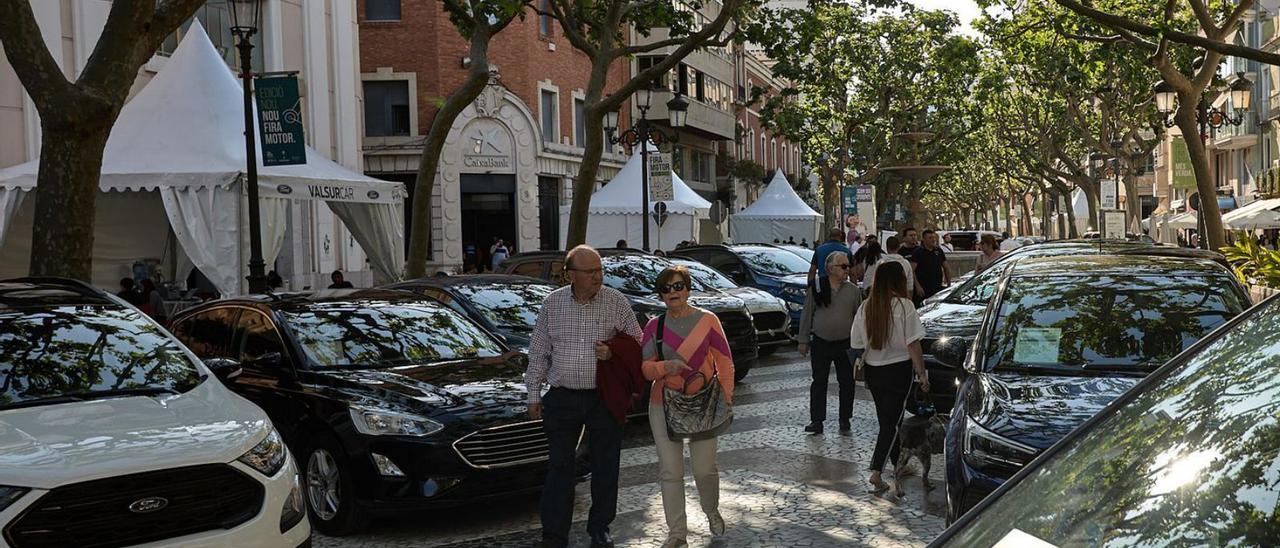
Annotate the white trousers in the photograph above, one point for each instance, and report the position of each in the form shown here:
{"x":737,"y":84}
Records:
{"x":671,"y":474}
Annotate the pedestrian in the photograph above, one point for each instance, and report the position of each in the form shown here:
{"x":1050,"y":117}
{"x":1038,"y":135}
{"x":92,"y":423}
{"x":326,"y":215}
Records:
{"x":152,"y":302}
{"x":929,"y":264}
{"x":339,"y":281}
{"x":129,"y":292}
{"x":893,"y":254}
{"x":777,"y":241}
{"x":274,"y":281}
{"x":854,"y":244}
{"x":568,"y":338}
{"x":834,"y":243}
{"x":804,"y":242}
{"x":825,"y":323}
{"x":886,"y":335}
{"x":622,"y":244}
{"x":791,"y":240}
{"x":659,"y":253}
{"x":990,"y":252}
{"x":863,"y":260}
{"x":500,"y":253}
{"x":696,"y":351}
{"x":1008,"y":244}
{"x":946,"y":243}
{"x":910,"y":241}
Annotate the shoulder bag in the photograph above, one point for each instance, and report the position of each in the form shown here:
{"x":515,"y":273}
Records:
{"x":698,"y":416}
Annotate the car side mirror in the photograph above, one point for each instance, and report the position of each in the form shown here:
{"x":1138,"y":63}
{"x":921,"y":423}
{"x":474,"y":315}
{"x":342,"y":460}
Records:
{"x":951,"y":351}
{"x":226,"y":369}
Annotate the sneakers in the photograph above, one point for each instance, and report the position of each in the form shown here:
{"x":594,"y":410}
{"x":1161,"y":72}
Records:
{"x":716,"y":523}
{"x":814,"y":428}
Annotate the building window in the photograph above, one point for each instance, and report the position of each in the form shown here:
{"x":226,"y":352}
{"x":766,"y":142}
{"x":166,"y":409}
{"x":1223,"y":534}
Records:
{"x":545,"y":21}
{"x":548,"y":116}
{"x":579,"y":122}
{"x":386,"y":108}
{"x":644,"y":63}
{"x":381,"y":10}
{"x":764,"y":152}
{"x":216,"y":20}
{"x":702,"y":166}
{"x":677,"y":161}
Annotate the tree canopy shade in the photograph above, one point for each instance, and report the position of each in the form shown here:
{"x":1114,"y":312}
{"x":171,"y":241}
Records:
{"x":76,"y":116}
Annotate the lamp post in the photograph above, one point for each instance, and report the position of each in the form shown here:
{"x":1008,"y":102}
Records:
{"x":1210,"y":119}
{"x":245,"y":15}
{"x":643,"y":133}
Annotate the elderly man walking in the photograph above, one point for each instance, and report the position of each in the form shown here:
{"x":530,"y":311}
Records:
{"x":568,"y":339}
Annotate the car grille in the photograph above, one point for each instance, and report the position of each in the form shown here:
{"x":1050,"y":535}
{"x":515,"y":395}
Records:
{"x":507,"y":445}
{"x":98,"y":513}
{"x":769,"y":321}
{"x":741,"y":334}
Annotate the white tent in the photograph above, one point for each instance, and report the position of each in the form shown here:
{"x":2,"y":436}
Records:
{"x":1184,"y":220}
{"x":176,"y":157}
{"x":1258,"y":214}
{"x":779,"y":213}
{"x":615,"y":212}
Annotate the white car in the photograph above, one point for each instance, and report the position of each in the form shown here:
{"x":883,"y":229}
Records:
{"x":113,"y":434}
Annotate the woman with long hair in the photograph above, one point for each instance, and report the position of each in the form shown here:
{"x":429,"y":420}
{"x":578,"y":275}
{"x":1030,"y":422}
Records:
{"x":866,"y":256}
{"x":824,"y":326}
{"x":887,"y":332}
{"x":990,"y":252}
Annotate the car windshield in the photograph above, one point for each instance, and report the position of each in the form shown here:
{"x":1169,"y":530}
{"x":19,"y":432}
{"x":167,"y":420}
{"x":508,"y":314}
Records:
{"x":1104,"y":322}
{"x":1191,"y":460}
{"x":386,"y":334}
{"x":708,"y":276}
{"x":637,"y":274}
{"x":774,"y":262}
{"x":66,"y":353}
{"x":512,"y":306}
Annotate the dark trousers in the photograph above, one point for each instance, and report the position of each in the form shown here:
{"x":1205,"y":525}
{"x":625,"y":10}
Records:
{"x":821,"y":355}
{"x":889,"y":386}
{"x":564,"y":414}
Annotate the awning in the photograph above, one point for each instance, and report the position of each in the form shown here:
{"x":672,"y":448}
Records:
{"x":1259,"y":214}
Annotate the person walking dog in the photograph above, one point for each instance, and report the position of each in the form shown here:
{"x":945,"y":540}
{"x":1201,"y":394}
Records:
{"x":825,"y":324}
{"x":886,"y":334}
{"x":684,"y":350}
{"x":569,"y":337}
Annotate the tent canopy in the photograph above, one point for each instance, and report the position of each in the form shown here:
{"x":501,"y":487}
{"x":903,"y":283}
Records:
{"x":1258,"y":214}
{"x":621,"y":196}
{"x":183,"y":135}
{"x":779,"y":201}
{"x":1184,"y":220}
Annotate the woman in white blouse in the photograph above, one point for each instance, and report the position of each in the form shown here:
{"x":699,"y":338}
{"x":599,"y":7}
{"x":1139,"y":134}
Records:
{"x":887,"y":330}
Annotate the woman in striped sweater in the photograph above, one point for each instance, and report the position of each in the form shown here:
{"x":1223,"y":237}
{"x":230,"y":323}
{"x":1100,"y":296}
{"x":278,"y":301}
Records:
{"x":693,"y":342}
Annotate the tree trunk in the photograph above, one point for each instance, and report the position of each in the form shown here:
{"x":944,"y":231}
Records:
{"x":1092,"y":198}
{"x":584,"y":184}
{"x":70,"y":167}
{"x":1024,"y":227}
{"x":1186,"y":119}
{"x":1133,"y":202}
{"x":420,"y":242}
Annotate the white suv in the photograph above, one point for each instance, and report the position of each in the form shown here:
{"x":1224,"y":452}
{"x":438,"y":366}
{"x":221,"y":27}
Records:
{"x":113,"y":434}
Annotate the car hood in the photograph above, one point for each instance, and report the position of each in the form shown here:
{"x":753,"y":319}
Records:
{"x":943,"y":319}
{"x":47,"y":446}
{"x":757,"y":300}
{"x":715,"y":302}
{"x":801,"y":280}
{"x":1038,"y":410}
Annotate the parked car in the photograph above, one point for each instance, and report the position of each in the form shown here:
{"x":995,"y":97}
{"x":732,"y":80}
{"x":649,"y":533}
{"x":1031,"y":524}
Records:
{"x":1128,"y":236}
{"x":114,"y":434}
{"x":782,"y":273}
{"x":804,"y":252}
{"x":634,"y":273}
{"x":1062,"y":338}
{"x":768,"y":313}
{"x":506,"y":305}
{"x":967,"y":240}
{"x":394,"y":402}
{"x":1186,"y":457}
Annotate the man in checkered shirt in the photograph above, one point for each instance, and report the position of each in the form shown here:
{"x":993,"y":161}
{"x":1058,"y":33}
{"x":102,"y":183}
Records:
{"x":568,"y":339}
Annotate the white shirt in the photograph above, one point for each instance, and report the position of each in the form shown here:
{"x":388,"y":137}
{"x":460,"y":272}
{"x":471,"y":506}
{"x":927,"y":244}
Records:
{"x":870,"y":277}
{"x":946,"y":247}
{"x":906,"y":329}
{"x":1010,"y":244}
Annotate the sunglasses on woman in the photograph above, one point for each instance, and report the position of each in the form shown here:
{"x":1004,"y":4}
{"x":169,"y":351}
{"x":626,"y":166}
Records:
{"x":667,"y":288}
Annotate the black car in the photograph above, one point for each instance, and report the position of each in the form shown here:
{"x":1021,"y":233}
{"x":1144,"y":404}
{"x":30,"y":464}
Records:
{"x":390,"y":401}
{"x":763,"y":266}
{"x":506,"y":305}
{"x":1188,"y":457}
{"x":1062,"y":338}
{"x":634,"y":273}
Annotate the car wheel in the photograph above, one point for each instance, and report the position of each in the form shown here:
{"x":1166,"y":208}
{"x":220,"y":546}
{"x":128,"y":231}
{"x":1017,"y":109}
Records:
{"x":328,"y":485}
{"x":766,"y":351}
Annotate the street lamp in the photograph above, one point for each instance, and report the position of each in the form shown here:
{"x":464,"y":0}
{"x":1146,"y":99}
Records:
{"x":245,"y":15}
{"x":643,"y":133}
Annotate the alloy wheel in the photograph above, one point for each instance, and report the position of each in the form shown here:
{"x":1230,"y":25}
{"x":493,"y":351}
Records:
{"x":323,"y":487}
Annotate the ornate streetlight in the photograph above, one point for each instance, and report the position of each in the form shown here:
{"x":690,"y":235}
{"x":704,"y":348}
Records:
{"x":645,"y":132}
{"x":245,"y":15}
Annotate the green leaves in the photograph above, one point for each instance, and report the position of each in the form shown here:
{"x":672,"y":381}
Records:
{"x":1252,"y":263}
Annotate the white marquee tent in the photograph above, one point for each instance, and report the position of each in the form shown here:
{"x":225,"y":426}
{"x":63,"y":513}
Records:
{"x":615,"y":212}
{"x":176,"y":158}
{"x":1258,"y":214}
{"x":779,"y":213}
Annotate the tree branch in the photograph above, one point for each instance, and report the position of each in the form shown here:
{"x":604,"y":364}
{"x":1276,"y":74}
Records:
{"x":26,"y":52}
{"x":1121,"y":24}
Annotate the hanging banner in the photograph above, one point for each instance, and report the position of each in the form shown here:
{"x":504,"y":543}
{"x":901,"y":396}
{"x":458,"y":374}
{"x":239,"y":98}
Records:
{"x":849,"y":200}
{"x":1108,"y":191}
{"x":280,"y":121}
{"x":660,"y":187}
{"x":1184,"y":175}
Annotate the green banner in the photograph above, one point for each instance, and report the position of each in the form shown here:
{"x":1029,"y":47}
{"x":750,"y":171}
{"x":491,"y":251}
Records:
{"x":849,"y":199}
{"x":1184,"y":176}
{"x":280,"y":121}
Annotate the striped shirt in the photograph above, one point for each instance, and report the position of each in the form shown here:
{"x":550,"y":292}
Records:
{"x":562,"y":351}
{"x":699,"y":340}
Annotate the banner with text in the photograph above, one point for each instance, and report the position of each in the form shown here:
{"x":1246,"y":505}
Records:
{"x":1184,"y":175}
{"x":280,"y":121}
{"x":660,"y":187}
{"x":849,"y":200}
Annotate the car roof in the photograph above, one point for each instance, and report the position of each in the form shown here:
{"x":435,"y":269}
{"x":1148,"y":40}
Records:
{"x":467,"y":279}
{"x":45,"y":292}
{"x":298,"y":300}
{"x":1116,"y":264}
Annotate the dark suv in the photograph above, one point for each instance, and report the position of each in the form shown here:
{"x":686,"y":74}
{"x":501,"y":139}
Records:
{"x":771,"y":268}
{"x":391,"y":401}
{"x":634,"y":273}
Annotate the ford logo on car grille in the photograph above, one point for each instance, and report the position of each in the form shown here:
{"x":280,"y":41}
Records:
{"x":373,"y":195}
{"x":148,"y":505}
{"x":284,"y":189}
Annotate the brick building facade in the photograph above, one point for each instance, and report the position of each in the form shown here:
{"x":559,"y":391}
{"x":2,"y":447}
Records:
{"x":754,"y":142}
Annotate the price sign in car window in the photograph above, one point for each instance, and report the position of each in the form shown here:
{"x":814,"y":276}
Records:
{"x":1037,"y":345}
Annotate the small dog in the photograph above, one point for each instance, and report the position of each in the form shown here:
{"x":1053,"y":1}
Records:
{"x":918,"y":437}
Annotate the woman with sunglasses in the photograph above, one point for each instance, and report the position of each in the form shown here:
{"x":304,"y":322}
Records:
{"x":694,"y":350}
{"x":824,"y":337}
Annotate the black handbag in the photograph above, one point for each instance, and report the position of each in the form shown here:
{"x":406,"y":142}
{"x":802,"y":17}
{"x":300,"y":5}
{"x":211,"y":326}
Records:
{"x":698,"y":416}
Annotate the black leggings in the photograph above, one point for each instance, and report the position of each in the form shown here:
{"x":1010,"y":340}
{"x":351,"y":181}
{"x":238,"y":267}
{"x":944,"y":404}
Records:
{"x":889,"y":386}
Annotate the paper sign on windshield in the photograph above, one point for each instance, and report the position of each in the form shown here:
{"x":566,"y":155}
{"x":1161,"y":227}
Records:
{"x":1020,"y":539}
{"x":1037,"y":345}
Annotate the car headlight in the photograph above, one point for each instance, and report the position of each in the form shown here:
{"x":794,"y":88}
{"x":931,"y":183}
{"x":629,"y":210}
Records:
{"x":792,"y":293}
{"x":10,"y":495}
{"x":385,"y":422}
{"x":268,"y":456}
{"x":983,"y":447}
{"x":292,"y":512}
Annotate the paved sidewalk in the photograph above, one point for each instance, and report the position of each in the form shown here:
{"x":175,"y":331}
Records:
{"x":779,"y":486}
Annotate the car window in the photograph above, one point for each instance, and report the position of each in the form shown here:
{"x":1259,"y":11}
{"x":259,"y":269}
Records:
{"x":532,"y":269}
{"x":708,"y":276}
{"x":977,"y":289}
{"x":1103,"y":321}
{"x":637,"y":274}
{"x":209,"y":334}
{"x":66,"y":350}
{"x":774,"y":262}
{"x":257,"y":335}
{"x":512,"y":306}
{"x":385,"y":333}
{"x":1191,"y":460}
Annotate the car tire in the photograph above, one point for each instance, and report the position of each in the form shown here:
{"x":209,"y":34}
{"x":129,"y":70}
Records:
{"x":766,"y":351}
{"x":327,"y":469}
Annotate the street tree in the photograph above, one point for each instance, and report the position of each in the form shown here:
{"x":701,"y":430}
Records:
{"x":477,"y":22}
{"x":76,"y":117}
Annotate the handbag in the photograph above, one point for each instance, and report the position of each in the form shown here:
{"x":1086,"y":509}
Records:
{"x":698,"y":416}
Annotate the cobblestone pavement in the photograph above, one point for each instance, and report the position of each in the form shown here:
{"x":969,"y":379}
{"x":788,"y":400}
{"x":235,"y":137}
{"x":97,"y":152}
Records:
{"x":779,"y":487}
